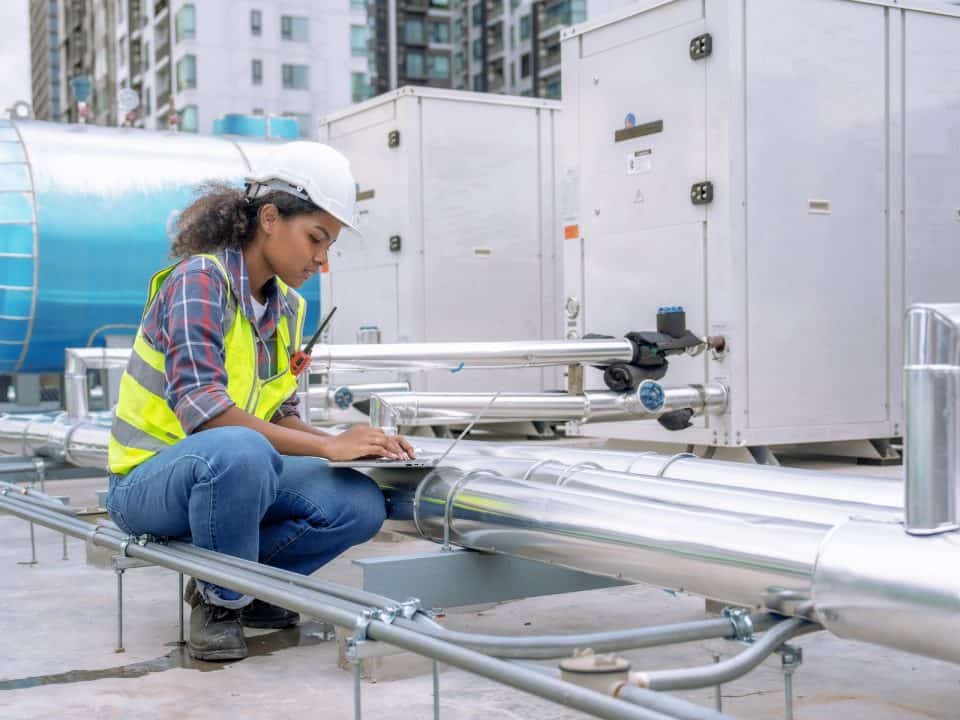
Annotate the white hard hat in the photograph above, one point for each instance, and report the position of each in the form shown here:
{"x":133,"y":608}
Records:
{"x":311,"y":171}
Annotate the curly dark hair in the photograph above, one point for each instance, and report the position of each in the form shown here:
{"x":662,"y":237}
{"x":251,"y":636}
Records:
{"x":222,"y":216}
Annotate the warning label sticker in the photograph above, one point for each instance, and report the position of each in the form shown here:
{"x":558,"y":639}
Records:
{"x":639,"y":162}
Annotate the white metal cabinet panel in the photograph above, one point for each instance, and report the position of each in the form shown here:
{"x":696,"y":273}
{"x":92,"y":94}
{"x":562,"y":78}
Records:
{"x":816,"y":252}
{"x":645,"y":181}
{"x":364,"y":296}
{"x":932,"y":172}
{"x":482,"y":276}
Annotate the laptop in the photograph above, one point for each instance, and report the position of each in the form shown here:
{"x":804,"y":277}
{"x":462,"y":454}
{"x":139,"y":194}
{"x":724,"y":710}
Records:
{"x":430,"y":460}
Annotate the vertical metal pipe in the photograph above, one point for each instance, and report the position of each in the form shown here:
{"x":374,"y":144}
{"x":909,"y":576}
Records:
{"x":436,"y":690}
{"x":717,"y":692}
{"x":932,"y":415}
{"x":357,"y":712}
{"x":180,"y":605}
{"x":119,"y":647}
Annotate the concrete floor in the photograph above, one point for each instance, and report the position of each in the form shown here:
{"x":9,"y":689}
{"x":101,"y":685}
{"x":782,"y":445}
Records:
{"x":58,"y":622}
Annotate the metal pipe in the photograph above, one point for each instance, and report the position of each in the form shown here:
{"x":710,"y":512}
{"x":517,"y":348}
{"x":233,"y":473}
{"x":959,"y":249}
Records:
{"x":931,"y":382}
{"x":460,"y":355}
{"x":741,"y":559}
{"x":76,"y":363}
{"x":391,"y":410}
{"x":37,"y":497}
{"x":668,"y":705}
{"x":307,"y":602}
{"x":878,"y":491}
{"x":727,"y":670}
{"x":556,"y":646}
{"x":681,"y":492}
{"x":323,"y":398}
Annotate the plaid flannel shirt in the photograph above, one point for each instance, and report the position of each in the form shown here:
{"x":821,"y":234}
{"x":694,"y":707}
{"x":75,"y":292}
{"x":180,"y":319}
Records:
{"x":185,"y":323}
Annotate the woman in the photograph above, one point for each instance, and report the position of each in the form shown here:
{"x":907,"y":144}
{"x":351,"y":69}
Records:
{"x":207,"y":442}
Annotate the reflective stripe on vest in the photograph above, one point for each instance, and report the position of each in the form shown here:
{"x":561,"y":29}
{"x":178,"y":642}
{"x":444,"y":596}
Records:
{"x":144,"y":424}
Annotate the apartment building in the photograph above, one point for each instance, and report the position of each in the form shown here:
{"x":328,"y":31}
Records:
{"x":45,"y":59}
{"x":501,"y":46}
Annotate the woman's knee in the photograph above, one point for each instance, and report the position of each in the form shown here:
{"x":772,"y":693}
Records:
{"x":369,"y":508}
{"x":247,"y":462}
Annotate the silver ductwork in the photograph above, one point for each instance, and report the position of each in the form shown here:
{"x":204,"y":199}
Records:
{"x":460,"y":355}
{"x":845,"y":573}
{"x":932,"y":406}
{"x":322,"y":399}
{"x":392,"y":410}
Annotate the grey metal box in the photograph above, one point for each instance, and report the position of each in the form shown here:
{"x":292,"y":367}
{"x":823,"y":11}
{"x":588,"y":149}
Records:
{"x":464,"y":183}
{"x":830,"y":131}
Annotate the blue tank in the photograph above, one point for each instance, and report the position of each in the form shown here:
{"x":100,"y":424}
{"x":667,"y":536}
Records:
{"x":85,"y":219}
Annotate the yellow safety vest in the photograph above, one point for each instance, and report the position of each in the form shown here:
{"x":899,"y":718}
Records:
{"x":144,"y":424}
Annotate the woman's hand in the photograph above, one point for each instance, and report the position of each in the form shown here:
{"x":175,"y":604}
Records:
{"x":364,"y":441}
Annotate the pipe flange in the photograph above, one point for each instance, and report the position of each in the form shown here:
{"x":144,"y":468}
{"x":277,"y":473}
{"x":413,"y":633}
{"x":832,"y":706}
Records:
{"x":742,"y":623}
{"x":572,"y":470}
{"x":125,"y":544}
{"x":670,"y":461}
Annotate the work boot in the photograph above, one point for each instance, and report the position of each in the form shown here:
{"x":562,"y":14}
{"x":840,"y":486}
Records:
{"x":260,"y":614}
{"x":215,"y":633}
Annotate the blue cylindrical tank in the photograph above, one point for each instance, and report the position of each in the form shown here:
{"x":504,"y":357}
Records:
{"x":85,"y":216}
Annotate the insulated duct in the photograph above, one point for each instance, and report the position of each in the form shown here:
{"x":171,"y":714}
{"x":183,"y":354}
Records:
{"x":392,"y":410}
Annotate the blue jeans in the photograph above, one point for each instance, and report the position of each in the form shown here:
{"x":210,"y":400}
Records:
{"x":228,"y":490}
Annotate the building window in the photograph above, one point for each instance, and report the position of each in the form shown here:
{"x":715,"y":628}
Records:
{"x":440,"y":31}
{"x":414,"y":64}
{"x":187,"y":73}
{"x":478,"y":82}
{"x":120,"y":4}
{"x":257,"y":111}
{"x":524,"y":27}
{"x":188,"y":119}
{"x":256,"y":22}
{"x":458,"y":63}
{"x":514,"y":4}
{"x":358,"y":4}
{"x":513,"y":74}
{"x":294,"y":28}
{"x":256,"y":72}
{"x":360,"y":86}
{"x":440,"y":3}
{"x":478,"y":14}
{"x":525,"y":65}
{"x":358,"y":40}
{"x":457,"y":29}
{"x":296,"y":77}
{"x":147,"y":106}
{"x":439,"y":67}
{"x":186,"y":23}
{"x":413,"y":31}
{"x":122,"y":50}
{"x":146,"y":56}
{"x":552,"y":89}
{"x":478,"y":49}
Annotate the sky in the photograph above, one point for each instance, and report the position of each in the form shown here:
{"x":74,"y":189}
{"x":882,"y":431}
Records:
{"x":14,"y":53}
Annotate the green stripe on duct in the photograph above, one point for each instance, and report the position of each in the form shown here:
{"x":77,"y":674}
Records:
{"x":16,"y":238}
{"x":14,"y":176}
{"x":11,"y":152}
{"x":13,"y":329}
{"x":16,"y":272}
{"x":16,"y":303}
{"x":16,"y":207}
